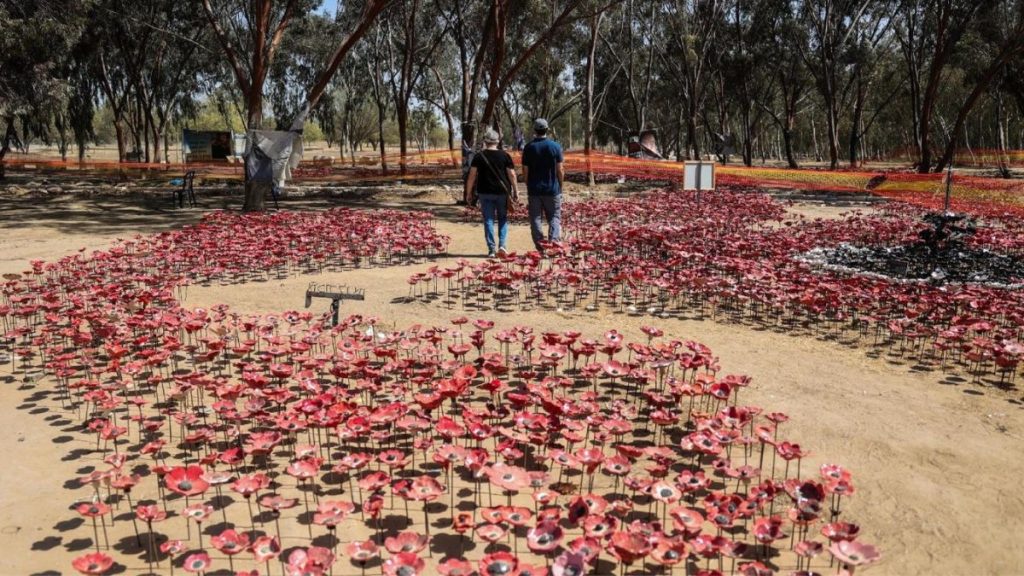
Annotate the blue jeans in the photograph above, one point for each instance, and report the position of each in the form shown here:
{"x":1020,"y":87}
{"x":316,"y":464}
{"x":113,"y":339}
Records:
{"x":494,"y":207}
{"x":539,"y":208}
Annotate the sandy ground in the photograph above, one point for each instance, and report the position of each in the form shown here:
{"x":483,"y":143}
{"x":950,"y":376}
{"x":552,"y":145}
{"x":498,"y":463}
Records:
{"x":936,"y":460}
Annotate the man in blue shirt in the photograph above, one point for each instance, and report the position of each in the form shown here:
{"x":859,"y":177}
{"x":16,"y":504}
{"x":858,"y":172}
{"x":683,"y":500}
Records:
{"x":544,"y":175}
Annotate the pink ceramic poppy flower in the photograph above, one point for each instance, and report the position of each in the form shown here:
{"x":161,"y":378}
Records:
{"x":490,"y":532}
{"x":836,"y":531}
{"x":305,"y":468}
{"x":498,"y":564}
{"x":755,"y":569}
{"x":362,"y":551}
{"x":314,"y":559}
{"x":455,"y":567}
{"x":266,"y":548}
{"x":93,"y":564}
{"x":507,"y":477}
{"x":406,"y":542}
{"x":404,"y":564}
{"x":425,"y":489}
{"x":150,"y":513}
{"x":569,"y":564}
{"x":196,"y":563}
{"x":277,"y":503}
{"x":197,"y":512}
{"x":544,"y":537}
{"x":854,"y":553}
{"x":172,"y":547}
{"x":514,"y":515}
{"x":250,"y":484}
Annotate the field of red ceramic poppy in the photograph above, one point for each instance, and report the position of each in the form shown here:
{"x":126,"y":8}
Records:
{"x":526,"y":415}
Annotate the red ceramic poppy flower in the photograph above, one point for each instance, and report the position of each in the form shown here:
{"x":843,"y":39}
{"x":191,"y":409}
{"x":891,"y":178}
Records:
{"x":393,"y":458}
{"x":498,"y":564}
{"x":599,"y":526}
{"x":93,"y":564}
{"x":186,"y":480}
{"x":230,"y":542}
{"x":768,"y":530}
{"x":628,"y":547}
{"x":669,"y":552}
{"x":93,"y":509}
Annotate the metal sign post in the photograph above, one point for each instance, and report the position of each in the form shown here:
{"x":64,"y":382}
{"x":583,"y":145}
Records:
{"x":949,"y":186}
{"x":335,"y":294}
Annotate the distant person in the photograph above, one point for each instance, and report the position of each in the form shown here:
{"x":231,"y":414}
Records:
{"x":519,"y":138}
{"x":492,"y":179}
{"x":544,"y":175}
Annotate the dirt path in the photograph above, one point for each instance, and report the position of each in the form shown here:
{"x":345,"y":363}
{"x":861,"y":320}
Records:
{"x":935,"y":466}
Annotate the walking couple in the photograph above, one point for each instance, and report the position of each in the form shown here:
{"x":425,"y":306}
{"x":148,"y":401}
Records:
{"x":492,"y":178}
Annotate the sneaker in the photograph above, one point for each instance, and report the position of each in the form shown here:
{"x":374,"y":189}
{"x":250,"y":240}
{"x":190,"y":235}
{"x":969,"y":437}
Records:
{"x":502,"y":251}
{"x":490,"y":254}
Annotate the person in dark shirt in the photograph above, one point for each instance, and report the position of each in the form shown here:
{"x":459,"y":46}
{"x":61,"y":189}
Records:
{"x":544,"y":175}
{"x":492,"y":179}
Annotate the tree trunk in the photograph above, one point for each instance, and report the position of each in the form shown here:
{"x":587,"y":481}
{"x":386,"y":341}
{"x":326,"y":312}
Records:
{"x":119,"y":132}
{"x":588,"y":116}
{"x":380,"y":138}
{"x":255,"y":193}
{"x":855,"y":125}
{"x":833,"y":135}
{"x":402,"y":119}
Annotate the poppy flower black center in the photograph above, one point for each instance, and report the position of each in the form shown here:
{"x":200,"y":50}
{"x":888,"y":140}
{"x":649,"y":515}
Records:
{"x":499,"y":567}
{"x":406,"y":571}
{"x":185,"y":485}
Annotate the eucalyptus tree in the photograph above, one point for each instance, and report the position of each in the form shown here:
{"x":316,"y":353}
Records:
{"x":250,"y":33}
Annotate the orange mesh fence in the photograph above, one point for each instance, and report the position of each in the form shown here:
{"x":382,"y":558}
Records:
{"x":969,"y":193}
{"x":974,"y":157}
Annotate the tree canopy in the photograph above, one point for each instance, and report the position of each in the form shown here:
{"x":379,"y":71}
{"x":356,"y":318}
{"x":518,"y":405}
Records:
{"x":841,"y":81}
